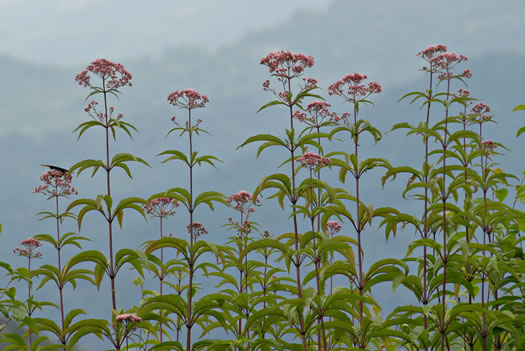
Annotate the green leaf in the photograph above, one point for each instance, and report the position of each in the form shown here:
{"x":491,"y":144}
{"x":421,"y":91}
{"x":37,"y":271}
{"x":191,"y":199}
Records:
{"x":272,"y":103}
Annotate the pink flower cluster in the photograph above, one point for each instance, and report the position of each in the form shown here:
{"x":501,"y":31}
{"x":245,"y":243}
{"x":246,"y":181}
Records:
{"x":56,"y":183}
{"x":161,"y":207}
{"x":432,"y":51}
{"x":333,"y":227}
{"x":188,"y":99}
{"x":91,"y":109}
{"x":286,"y":64}
{"x":488,"y":147}
{"x":113,"y":75}
{"x":463,"y":92}
{"x":355,"y":91}
{"x":196,"y":229}
{"x":310,"y":83}
{"x":449,"y":75}
{"x":447,"y":60}
{"x":318,"y":112}
{"x":313,"y":160}
{"x":128,"y":317}
{"x":242,"y":201}
{"x":479,"y":113}
{"x":30,"y":244}
{"x":480,"y":108}
{"x":489,"y":144}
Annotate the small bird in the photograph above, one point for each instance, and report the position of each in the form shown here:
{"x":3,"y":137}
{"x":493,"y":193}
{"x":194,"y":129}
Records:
{"x":55,"y":168}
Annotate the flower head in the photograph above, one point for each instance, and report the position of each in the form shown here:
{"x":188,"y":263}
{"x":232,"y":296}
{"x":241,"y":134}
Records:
{"x":463,"y":92}
{"x":351,"y":89}
{"x":432,"y":51}
{"x":196,"y":229}
{"x":188,"y":99}
{"x":241,"y":201}
{"x":333,"y":227}
{"x":479,"y":113}
{"x":489,"y":144}
{"x":113,"y":75}
{"x":56,"y":183}
{"x":29,"y":244}
{"x":103,"y":117}
{"x":313,"y":160}
{"x":128,"y":317}
{"x":161,"y":207}
{"x":447,"y":60}
{"x":318,"y":113}
{"x":287,"y":64}
{"x":480,"y":108}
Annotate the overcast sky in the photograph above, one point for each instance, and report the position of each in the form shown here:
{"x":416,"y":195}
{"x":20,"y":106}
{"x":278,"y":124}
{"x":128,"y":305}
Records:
{"x":69,"y":31}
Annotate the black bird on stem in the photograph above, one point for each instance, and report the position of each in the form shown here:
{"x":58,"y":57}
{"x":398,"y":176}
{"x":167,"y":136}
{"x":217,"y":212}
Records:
{"x":56,"y":168}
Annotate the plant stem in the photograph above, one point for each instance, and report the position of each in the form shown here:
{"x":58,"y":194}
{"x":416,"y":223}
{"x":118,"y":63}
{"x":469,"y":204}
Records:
{"x":112,"y":272}
{"x":424,"y":295}
{"x":189,"y":320}
{"x":296,"y":229}
{"x":359,"y":229}
{"x":60,"y":284}
{"x":444,"y":199}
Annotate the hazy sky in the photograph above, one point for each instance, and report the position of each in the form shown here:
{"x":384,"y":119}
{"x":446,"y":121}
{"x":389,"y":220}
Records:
{"x":68,"y":31}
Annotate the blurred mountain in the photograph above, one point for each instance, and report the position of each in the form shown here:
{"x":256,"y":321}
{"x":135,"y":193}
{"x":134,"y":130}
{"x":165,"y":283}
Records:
{"x":41,"y":105}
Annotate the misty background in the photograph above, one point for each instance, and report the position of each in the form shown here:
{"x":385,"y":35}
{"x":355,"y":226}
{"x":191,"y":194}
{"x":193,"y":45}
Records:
{"x":215,"y":47}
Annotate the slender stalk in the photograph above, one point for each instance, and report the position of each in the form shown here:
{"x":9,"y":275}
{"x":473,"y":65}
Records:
{"x":29,"y":307}
{"x":294,"y":201}
{"x":425,"y":298}
{"x":189,"y":320}
{"x":60,"y":284}
{"x":161,"y":275}
{"x":321,"y":334}
{"x":112,"y":272}
{"x":484,"y":228}
{"x":359,"y":229}
{"x":298,"y":258}
{"x":444,"y":200}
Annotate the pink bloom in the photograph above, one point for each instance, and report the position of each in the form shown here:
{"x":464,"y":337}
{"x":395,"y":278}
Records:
{"x":313,"y":160}
{"x":188,"y":99}
{"x":242,"y":201}
{"x":91,"y":109}
{"x":56,"y":183}
{"x":287,"y":64}
{"x":161,"y":207}
{"x":447,"y":60}
{"x":30,"y":245}
{"x":489,"y":144}
{"x":310,"y":83}
{"x":113,"y":75}
{"x":374,"y":87}
{"x":431,"y":51}
{"x":300,"y":115}
{"x":128,"y":317}
{"x":196,"y":229}
{"x":333,"y":227}
{"x":318,"y":112}
{"x":463,"y":93}
{"x":351,"y":89}
{"x":480,"y":108}
{"x":355,"y":78}
{"x":466,"y":74}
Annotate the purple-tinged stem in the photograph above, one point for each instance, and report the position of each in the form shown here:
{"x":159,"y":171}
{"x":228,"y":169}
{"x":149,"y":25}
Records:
{"x":445,"y":255}
{"x":112,"y":273}
{"x":61,"y":283}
